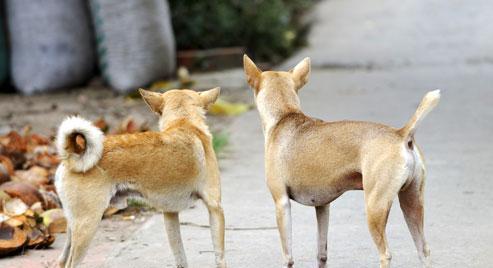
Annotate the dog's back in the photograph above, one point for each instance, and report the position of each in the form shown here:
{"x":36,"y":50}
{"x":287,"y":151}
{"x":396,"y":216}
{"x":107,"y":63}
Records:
{"x":326,"y":153}
{"x":145,"y":157}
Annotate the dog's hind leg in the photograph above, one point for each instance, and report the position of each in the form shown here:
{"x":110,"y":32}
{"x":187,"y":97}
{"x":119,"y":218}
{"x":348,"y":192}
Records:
{"x":62,"y":260}
{"x":83,"y":230}
{"x":86,"y":206}
{"x":216,"y":221}
{"x":411,"y":200}
{"x":377,"y":212}
{"x":380,"y":189}
{"x":322,"y":227}
{"x":172,"y":223}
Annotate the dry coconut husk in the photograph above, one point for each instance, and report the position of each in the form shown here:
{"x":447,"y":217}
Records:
{"x":11,"y":239}
{"x":51,"y":200}
{"x":6,"y":169}
{"x":15,"y":221}
{"x":54,"y":220}
{"x":14,"y":146}
{"x":4,"y":197}
{"x":14,"y":207}
{"x":35,"y":176}
{"x":39,"y":238}
{"x":7,"y":163}
{"x":4,"y":174}
{"x":37,"y":208}
{"x":24,"y":191}
{"x":46,"y":160}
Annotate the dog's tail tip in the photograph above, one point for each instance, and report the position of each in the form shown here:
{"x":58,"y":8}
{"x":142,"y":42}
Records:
{"x":79,"y":143}
{"x":434,"y":95}
{"x":429,"y":101}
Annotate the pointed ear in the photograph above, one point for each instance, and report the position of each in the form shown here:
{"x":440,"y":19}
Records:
{"x":153,"y":100}
{"x":301,"y":72}
{"x":252,"y":72}
{"x":210,"y":96}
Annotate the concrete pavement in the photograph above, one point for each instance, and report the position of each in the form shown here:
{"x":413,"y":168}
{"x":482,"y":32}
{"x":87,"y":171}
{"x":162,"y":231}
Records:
{"x":458,"y":194}
{"x":391,"y":34}
{"x":372,"y":60}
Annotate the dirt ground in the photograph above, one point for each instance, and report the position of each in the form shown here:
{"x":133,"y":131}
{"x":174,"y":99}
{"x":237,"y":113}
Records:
{"x":44,"y":112}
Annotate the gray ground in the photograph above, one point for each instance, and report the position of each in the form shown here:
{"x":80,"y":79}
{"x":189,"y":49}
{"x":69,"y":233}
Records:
{"x":373,"y":60}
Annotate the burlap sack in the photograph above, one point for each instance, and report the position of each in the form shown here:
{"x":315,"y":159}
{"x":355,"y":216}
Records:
{"x":3,"y":54}
{"x":51,"y":44}
{"x":135,"y":41}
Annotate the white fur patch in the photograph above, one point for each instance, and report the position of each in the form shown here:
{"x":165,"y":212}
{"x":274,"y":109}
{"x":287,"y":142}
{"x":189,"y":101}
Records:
{"x":431,"y":100}
{"x":59,"y":174}
{"x":433,"y":95}
{"x":94,"y":143}
{"x":59,"y":177}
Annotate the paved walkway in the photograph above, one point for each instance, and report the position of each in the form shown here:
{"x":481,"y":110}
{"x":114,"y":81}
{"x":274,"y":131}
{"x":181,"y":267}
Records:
{"x":373,"y":60}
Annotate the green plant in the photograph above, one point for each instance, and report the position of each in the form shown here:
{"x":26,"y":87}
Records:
{"x":269,"y":29}
{"x":219,"y":141}
{"x":204,"y":24}
{"x":137,"y":203}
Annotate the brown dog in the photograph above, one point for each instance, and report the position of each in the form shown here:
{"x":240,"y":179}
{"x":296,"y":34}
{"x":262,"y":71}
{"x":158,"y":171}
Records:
{"x":170,"y":169}
{"x":313,"y":162}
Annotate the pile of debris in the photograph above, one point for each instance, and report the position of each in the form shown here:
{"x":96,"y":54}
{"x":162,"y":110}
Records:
{"x":30,"y":210}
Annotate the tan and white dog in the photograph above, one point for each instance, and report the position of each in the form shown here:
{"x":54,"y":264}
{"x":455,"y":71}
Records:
{"x":170,"y":169}
{"x":314,"y":162}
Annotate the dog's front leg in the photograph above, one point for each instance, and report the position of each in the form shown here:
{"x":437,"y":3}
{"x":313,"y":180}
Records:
{"x":172,"y":223}
{"x":283,"y":215}
{"x":322,"y":227}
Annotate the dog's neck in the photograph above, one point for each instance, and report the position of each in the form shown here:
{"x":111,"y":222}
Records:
{"x":273,"y":106}
{"x":193,"y":115}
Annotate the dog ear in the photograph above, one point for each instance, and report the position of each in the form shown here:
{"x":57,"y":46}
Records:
{"x":300,"y":73}
{"x":208,"y":97}
{"x":153,"y":99}
{"x":252,"y":72}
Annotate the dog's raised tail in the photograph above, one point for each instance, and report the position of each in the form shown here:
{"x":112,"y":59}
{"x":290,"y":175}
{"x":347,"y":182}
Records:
{"x":430,"y":100}
{"x":79,"y":144}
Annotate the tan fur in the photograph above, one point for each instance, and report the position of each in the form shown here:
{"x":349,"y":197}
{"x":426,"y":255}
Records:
{"x":313,"y":162}
{"x":170,"y":169}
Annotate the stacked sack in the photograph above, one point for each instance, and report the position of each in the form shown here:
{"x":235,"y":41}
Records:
{"x":135,"y":41}
{"x":3,"y":54}
{"x":53,"y":43}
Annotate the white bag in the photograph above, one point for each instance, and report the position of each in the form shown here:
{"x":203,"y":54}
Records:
{"x":135,"y":41}
{"x":51,"y":44}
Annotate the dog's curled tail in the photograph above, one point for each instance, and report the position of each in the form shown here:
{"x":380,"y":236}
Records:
{"x":79,"y":144}
{"x":430,"y":100}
